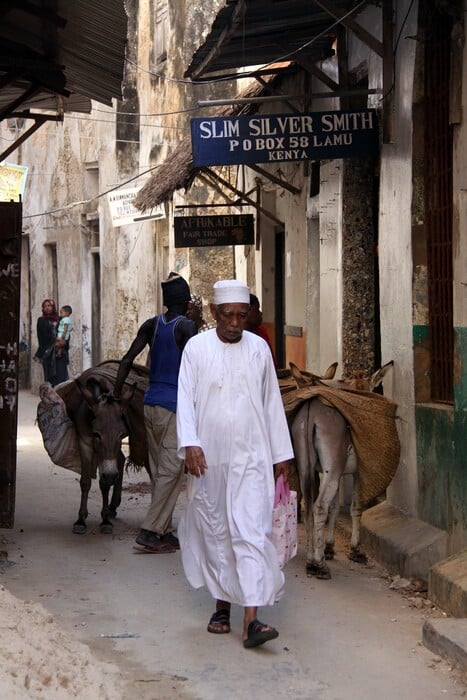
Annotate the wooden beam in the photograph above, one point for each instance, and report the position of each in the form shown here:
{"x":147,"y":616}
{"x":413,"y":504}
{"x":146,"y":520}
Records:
{"x":275,"y":93}
{"x":30,"y":92}
{"x":342,"y":62}
{"x":388,"y":72}
{"x":455,"y":87}
{"x":27,"y":114}
{"x":224,"y":36}
{"x":210,"y":173}
{"x":352,"y":26}
{"x":39,"y":119}
{"x":318,"y":73}
{"x":273,"y":178}
{"x":22,"y":138}
{"x":9,"y":78}
{"x":258,"y":221}
{"x":44,"y":14}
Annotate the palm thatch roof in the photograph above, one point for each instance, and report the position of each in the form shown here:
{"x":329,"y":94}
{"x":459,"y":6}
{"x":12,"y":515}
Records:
{"x":177,"y":171}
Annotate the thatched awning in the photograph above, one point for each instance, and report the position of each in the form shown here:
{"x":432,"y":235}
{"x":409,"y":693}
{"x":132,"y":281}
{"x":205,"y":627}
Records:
{"x":177,"y":171}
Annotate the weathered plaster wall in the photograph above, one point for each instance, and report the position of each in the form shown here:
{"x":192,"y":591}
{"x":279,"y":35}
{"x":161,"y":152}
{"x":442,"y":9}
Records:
{"x":265,"y":264}
{"x":313,"y":360}
{"x":71,"y":163}
{"x":459,"y":472}
{"x":361,"y":58}
{"x":330,"y":265}
{"x":128,"y":252}
{"x":441,"y":429}
{"x":189,"y":22}
{"x":52,"y":155}
{"x":290,"y":209}
{"x":395,"y":256}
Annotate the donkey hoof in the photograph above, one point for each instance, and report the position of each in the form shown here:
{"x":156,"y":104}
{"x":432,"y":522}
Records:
{"x":79,"y":528}
{"x":112,"y":514}
{"x":329,"y":551}
{"x":106,"y":528}
{"x":357,"y":555}
{"x":320,"y":571}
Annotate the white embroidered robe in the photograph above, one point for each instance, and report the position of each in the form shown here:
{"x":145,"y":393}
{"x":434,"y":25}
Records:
{"x":229,"y":404}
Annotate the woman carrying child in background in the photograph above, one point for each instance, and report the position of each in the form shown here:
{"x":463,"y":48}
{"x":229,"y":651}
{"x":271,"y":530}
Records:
{"x":46,"y":337}
{"x":62,"y":344}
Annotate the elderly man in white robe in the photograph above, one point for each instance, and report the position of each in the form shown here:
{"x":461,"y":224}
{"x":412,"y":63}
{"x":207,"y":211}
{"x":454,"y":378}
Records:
{"x":233,"y":434}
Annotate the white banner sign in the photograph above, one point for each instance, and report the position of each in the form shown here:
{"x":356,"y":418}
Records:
{"x":123,"y":211}
{"x":12,"y":182}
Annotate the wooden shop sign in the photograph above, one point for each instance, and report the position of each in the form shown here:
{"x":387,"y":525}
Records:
{"x":228,"y":229}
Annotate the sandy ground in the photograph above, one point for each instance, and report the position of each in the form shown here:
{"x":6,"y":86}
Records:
{"x":39,"y":660}
{"x":67,"y":602}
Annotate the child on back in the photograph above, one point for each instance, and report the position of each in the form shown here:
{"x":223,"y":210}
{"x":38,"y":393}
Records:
{"x":64,"y":328}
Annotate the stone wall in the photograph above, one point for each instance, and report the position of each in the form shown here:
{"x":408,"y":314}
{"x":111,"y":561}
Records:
{"x":360,"y":312}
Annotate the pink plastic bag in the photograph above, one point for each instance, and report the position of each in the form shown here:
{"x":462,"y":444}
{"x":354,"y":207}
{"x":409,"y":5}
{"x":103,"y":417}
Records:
{"x":284,"y":522}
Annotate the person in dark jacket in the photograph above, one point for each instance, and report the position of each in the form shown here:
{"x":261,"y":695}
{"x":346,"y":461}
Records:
{"x":46,"y":336}
{"x":166,"y":336}
{"x":255,"y":323}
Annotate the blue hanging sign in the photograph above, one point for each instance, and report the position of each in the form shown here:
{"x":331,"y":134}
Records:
{"x":269,"y":138}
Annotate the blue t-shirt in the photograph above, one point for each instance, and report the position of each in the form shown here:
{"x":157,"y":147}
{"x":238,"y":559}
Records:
{"x":61,"y":327}
{"x":165,"y":365}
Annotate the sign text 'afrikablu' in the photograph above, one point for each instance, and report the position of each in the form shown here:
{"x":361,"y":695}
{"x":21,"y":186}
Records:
{"x":218,"y":229}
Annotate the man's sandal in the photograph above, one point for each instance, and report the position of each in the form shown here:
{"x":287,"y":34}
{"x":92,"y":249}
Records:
{"x":258,"y":633}
{"x":220,"y":622}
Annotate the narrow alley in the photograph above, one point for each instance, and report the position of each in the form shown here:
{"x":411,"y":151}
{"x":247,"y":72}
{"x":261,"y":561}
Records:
{"x":350,"y":638}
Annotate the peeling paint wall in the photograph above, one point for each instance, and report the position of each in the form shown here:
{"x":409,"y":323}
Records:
{"x":111,"y":276}
{"x":395,"y":262}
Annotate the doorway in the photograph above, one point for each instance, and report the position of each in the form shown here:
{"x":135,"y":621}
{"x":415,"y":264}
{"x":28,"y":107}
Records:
{"x":279,"y":295}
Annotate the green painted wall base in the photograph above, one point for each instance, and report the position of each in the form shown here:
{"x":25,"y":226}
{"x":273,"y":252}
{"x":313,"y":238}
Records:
{"x":441,"y":433}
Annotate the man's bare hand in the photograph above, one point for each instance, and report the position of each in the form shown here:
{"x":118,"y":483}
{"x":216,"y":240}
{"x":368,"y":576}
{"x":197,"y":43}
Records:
{"x":195,"y":462}
{"x":282,"y":468}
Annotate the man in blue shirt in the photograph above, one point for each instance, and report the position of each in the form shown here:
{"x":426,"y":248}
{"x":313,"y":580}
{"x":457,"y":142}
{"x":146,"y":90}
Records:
{"x":166,"y":336}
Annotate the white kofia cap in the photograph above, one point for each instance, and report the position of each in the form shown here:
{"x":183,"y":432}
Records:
{"x":231,"y":292}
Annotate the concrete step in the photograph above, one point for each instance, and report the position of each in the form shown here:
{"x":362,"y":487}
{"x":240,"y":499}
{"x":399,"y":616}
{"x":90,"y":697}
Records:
{"x":402,"y":544}
{"x":413,"y":549}
{"x":447,"y":584}
{"x":447,"y":638}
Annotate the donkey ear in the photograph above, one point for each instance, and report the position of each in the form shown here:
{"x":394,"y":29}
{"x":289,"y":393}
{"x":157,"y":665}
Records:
{"x":330,"y":372}
{"x":378,"y":376}
{"x":106,"y":385}
{"x":300,"y":379}
{"x":128,"y":394}
{"x":88,"y":395}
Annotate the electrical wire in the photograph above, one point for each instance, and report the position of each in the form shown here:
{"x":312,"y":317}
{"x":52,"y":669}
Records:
{"x":204,"y":82}
{"x":98,"y":196}
{"x":141,"y":114}
{"x":394,"y":54}
{"x":129,"y":123}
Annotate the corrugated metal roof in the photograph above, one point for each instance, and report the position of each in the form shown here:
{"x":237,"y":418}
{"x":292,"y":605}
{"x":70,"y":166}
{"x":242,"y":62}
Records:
{"x":71,"y":48}
{"x":257,"y":32}
{"x":93,"y":47}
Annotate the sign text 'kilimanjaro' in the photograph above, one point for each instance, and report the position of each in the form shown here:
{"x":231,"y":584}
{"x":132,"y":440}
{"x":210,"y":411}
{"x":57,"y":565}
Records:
{"x":268,"y":138}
